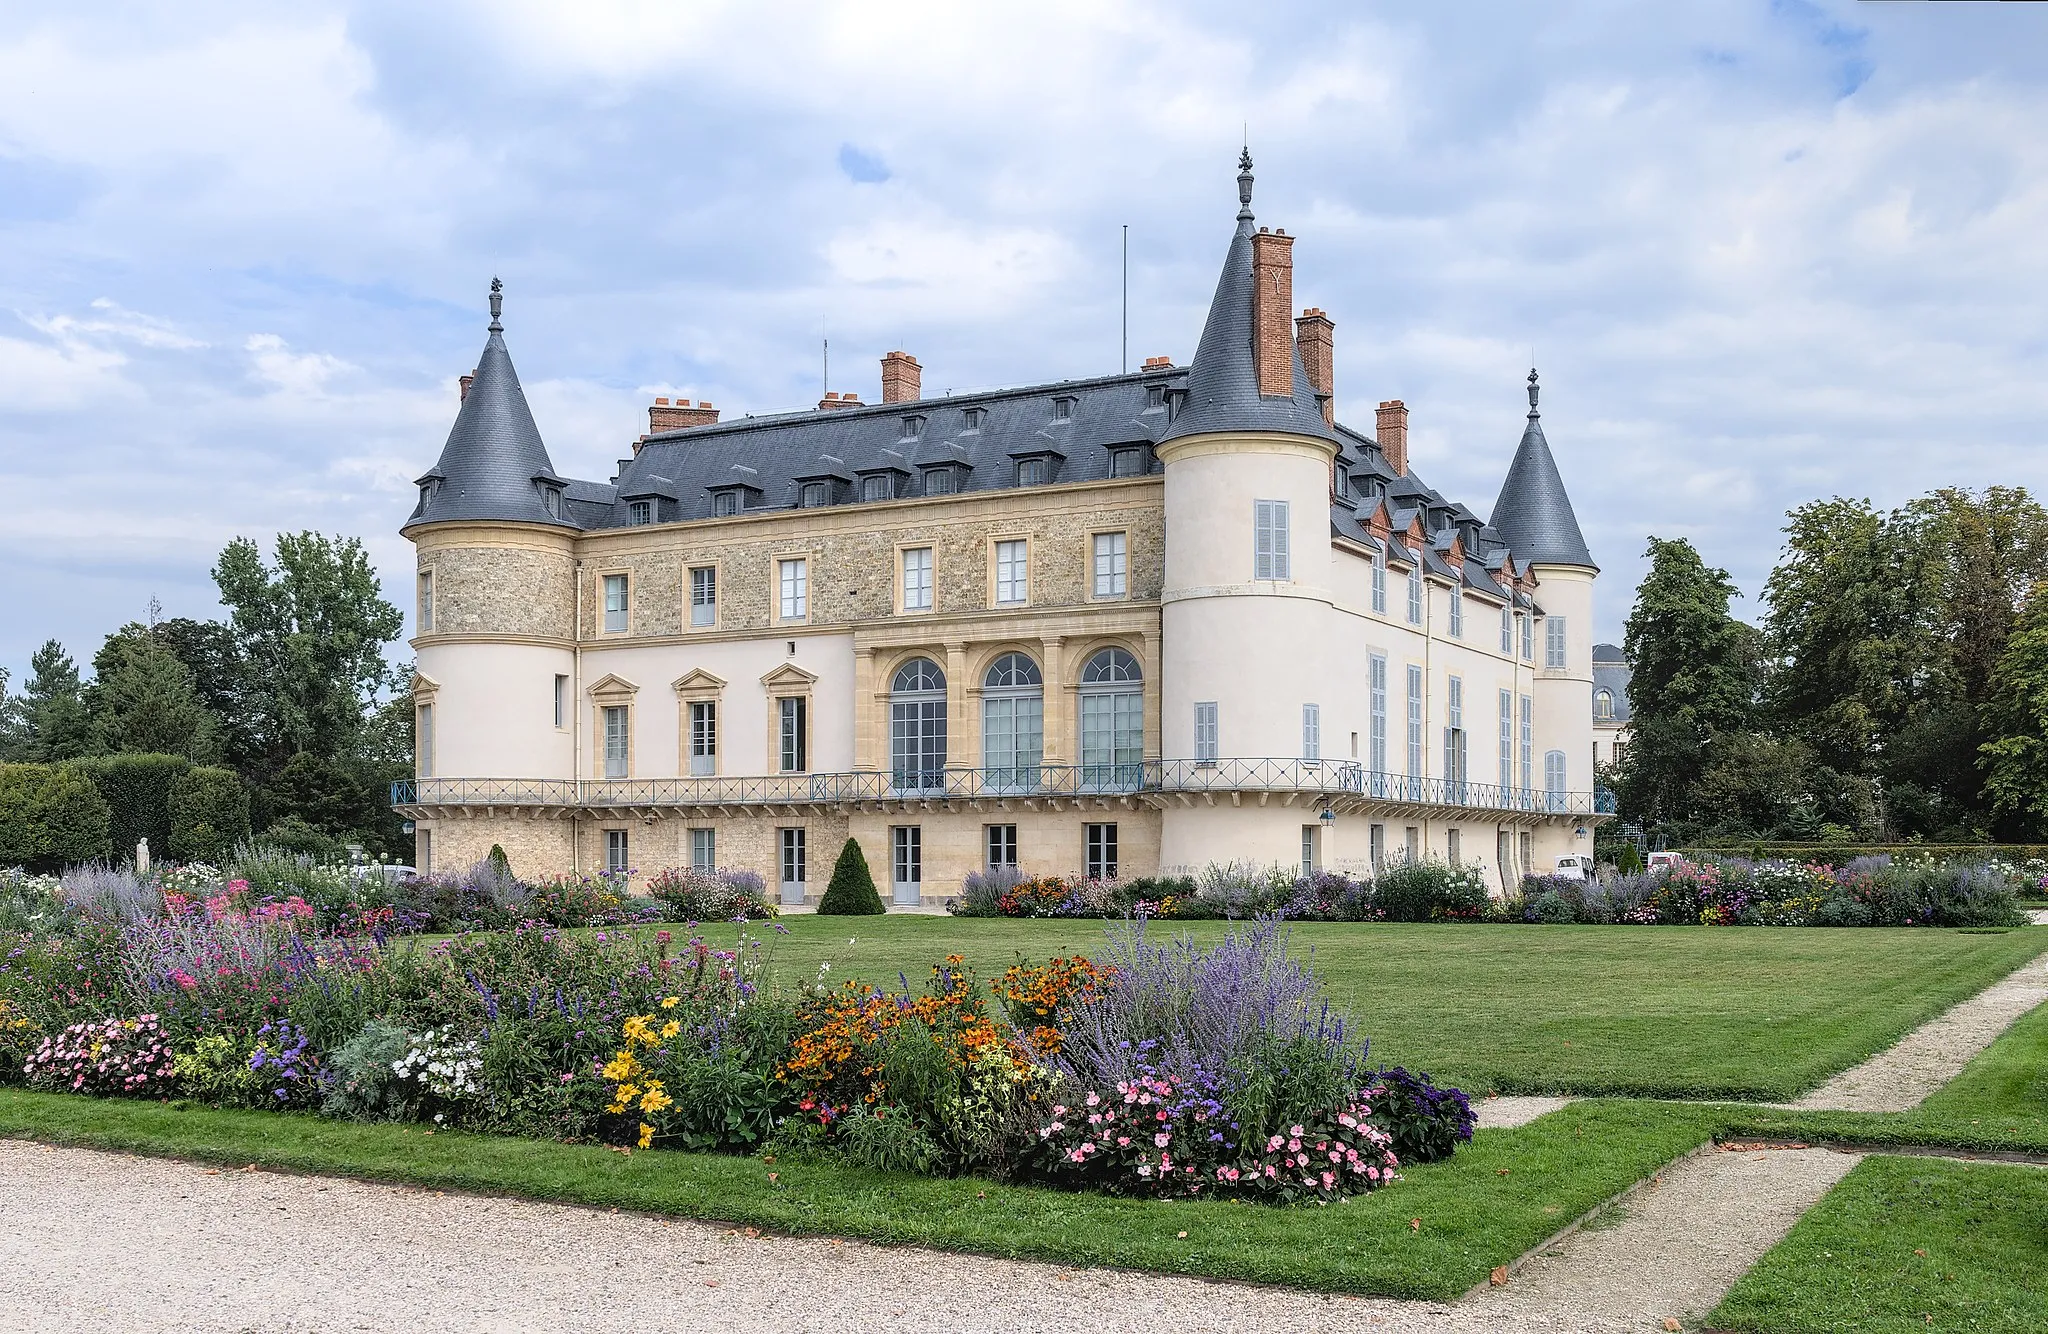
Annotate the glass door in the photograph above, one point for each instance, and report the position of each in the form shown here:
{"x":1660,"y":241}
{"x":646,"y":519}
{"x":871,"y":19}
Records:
{"x":794,"y":874}
{"x":907,"y":865}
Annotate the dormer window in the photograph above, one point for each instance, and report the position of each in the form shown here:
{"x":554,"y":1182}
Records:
{"x":971,"y":418}
{"x":913,"y":427}
{"x":551,"y":499}
{"x":640,"y":513}
{"x":1155,"y":397}
{"x":1063,"y":408}
{"x":1031,"y":472}
{"x":724,"y":504}
{"x":1343,"y":480}
{"x":1127,"y":462}
{"x":426,"y":494}
{"x":938,"y":481}
{"x":877,"y":488}
{"x":812,"y":495}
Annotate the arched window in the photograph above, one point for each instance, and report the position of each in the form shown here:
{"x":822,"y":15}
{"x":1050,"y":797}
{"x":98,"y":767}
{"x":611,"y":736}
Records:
{"x":917,"y":726}
{"x":1553,"y":780}
{"x":1603,"y":704}
{"x":1112,"y":721}
{"x":1012,"y":723}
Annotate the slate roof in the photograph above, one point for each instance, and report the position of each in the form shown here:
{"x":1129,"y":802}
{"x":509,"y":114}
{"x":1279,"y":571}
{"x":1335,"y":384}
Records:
{"x":1533,"y":512}
{"x":1611,"y":673}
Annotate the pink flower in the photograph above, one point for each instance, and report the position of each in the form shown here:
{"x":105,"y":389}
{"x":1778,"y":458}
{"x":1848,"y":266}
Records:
{"x":1123,"y":1141}
{"x":1093,"y":1099}
{"x":1328,"y":1181}
{"x":1161,"y":1140}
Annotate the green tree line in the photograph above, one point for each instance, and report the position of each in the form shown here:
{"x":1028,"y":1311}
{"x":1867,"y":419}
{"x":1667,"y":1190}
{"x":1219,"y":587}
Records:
{"x":1896,"y":688}
{"x":291,"y":693}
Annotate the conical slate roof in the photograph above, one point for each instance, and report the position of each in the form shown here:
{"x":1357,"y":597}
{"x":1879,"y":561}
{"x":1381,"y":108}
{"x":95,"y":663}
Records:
{"x":1223,"y":383}
{"x":488,"y":468}
{"x":1533,"y":514}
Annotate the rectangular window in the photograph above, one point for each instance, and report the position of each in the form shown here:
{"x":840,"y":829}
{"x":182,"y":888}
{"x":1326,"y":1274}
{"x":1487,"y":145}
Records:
{"x":811,"y":496}
{"x":1376,"y":723}
{"x":1415,"y":596}
{"x":1126,"y":462}
{"x":1376,"y":846}
{"x":1379,"y":583}
{"x":639,"y":513}
{"x":1522,"y":628}
{"x":1110,"y":572}
{"x":1308,"y":849}
{"x":1457,"y":614}
{"x":703,"y":738}
{"x":1553,"y":779}
{"x":426,"y":612}
{"x":1553,"y":641}
{"x":917,"y":579}
{"x":616,"y":741}
{"x":561,"y":700}
{"x":906,"y":864}
{"x":1454,"y":734}
{"x":793,"y":733}
{"x":1002,"y":845}
{"x":725,"y":504}
{"x":615,"y":851}
{"x":1208,"y":742}
{"x":1507,"y":632}
{"x":1414,"y":721}
{"x":1312,"y":732}
{"x":614,"y":602}
{"x":1454,"y":845}
{"x":877,"y":488}
{"x":794,"y":579}
{"x":1011,"y":578}
{"x":1101,"y":858}
{"x":938,"y":482}
{"x":1507,"y":739}
{"x":1031,"y":472}
{"x":423,"y":740}
{"x":793,"y":849}
{"x":426,"y":851}
{"x":1528,"y":741}
{"x":1411,"y":843}
{"x":1271,"y":540}
{"x":703,"y":849}
{"x":704,"y":596}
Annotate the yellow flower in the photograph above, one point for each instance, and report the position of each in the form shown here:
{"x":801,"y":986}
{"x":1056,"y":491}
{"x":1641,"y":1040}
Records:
{"x":654,"y":1100}
{"x":669,"y":1003}
{"x":670,"y":1029}
{"x":646,"y":1135}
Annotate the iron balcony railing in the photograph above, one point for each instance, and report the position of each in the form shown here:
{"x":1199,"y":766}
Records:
{"x":1329,"y":778}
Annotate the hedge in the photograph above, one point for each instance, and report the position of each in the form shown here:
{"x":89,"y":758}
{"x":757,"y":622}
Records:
{"x":209,"y":814}
{"x":1835,"y":854}
{"x":137,"y":789}
{"x":851,"y":892}
{"x":51,"y":816}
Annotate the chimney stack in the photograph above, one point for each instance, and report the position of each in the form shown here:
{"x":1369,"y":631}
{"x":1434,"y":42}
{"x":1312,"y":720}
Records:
{"x":1272,"y":300}
{"x":848,"y":399}
{"x":1316,"y":336}
{"x":1154,"y":363}
{"x":680,"y":417}
{"x":1391,"y":430}
{"x":902,"y":378}
{"x":467,"y":381}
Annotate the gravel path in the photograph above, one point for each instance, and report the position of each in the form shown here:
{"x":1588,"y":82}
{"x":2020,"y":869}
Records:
{"x":1674,"y":1247}
{"x":1507,"y":1113}
{"x":1900,"y":1077}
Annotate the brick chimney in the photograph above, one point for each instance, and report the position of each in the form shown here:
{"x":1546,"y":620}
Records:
{"x":467,"y":381}
{"x":1154,"y":363}
{"x":1391,"y":430}
{"x":1272,"y":299}
{"x":1316,"y":336}
{"x":845,"y":400}
{"x":679,"y":416}
{"x":902,"y":378}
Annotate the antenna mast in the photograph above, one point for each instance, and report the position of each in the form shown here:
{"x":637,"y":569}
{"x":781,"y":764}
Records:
{"x":1127,"y":296}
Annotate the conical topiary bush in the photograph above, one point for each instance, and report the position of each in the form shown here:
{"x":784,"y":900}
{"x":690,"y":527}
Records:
{"x":852,"y":891}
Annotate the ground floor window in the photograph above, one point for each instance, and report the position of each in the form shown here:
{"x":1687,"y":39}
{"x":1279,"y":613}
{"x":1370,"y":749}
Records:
{"x":1454,"y":845}
{"x":906,"y":864}
{"x":703,"y":849}
{"x":1102,"y":852}
{"x":1308,"y":849}
{"x":615,"y":850}
{"x":1412,"y":843}
{"x":1002,"y":845}
{"x":1527,"y":860}
{"x":426,"y":852}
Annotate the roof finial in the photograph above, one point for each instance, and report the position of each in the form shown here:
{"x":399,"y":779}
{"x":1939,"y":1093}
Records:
{"x":1244,"y":184}
{"x":497,"y":305}
{"x":1532,"y":393}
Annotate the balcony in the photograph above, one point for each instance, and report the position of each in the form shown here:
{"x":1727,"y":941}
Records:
{"x":1346,"y":786}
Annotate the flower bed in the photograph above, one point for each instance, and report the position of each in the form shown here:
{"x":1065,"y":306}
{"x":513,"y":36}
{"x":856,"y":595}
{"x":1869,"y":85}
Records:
{"x":1246,"y":1084}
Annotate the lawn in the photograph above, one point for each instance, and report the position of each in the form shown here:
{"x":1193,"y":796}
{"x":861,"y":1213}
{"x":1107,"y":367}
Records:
{"x":1759,"y":1013}
{"x":1907,"y":1244}
{"x":1434,"y":1235}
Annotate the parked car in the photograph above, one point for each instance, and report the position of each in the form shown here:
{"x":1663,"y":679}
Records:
{"x":390,"y":873}
{"x":1573,"y":866}
{"x":1662,"y":861}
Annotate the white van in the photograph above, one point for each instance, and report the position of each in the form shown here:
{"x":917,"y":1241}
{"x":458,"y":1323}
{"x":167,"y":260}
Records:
{"x":1662,"y":861}
{"x":1574,"y":866}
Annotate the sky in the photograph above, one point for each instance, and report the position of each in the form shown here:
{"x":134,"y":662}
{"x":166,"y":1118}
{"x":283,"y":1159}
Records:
{"x":1761,"y":252}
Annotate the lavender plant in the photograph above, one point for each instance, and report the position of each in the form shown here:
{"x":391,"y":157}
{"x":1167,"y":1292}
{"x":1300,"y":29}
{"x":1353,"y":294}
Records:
{"x":111,"y":893}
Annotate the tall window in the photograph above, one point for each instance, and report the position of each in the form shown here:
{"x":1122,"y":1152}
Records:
{"x":615,"y":853}
{"x":794,"y":870}
{"x":1523,"y":620}
{"x":1308,"y":849}
{"x":1507,"y":739}
{"x":1376,"y":723}
{"x":426,"y":612}
{"x":1101,"y":860}
{"x":917,"y":579}
{"x":617,"y":741}
{"x":1379,"y":582}
{"x":1457,"y":614}
{"x":1012,"y":723}
{"x":1110,"y":573}
{"x":793,"y":576}
{"x":917,"y":725}
{"x":1414,"y":721}
{"x":1002,"y":845}
{"x":1271,"y":540}
{"x":1603,"y":705}
{"x":793,"y":733}
{"x":704,"y":595}
{"x":1507,"y":632}
{"x":1528,"y":741}
{"x":1553,"y":641}
{"x":639,"y":513}
{"x":1415,"y":595}
{"x":703,"y":738}
{"x":1454,"y":737}
{"x":1011,"y":577}
{"x":906,"y":864}
{"x":614,"y":602}
{"x":423,"y":740}
{"x":1112,"y":720}
{"x":1553,"y":779}
{"x":1208,"y":739}
{"x":703,"y":849}
{"x":561,"y":700}
{"x":1312,"y":732}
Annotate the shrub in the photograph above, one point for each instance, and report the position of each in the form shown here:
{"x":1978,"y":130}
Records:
{"x":501,"y":865}
{"x":137,"y":790}
{"x":982,"y":893}
{"x":51,"y":816}
{"x":216,"y":1069}
{"x":126,"y":1056}
{"x":294,"y":834}
{"x":111,"y":894}
{"x":1426,"y":1123}
{"x":887,"y":1139}
{"x":1427,"y":890}
{"x":852,"y":889}
{"x":710,"y":896}
{"x":365,"y":1084}
{"x":1243,"y":888}
{"x":209,"y":814}
{"x":32,"y":902}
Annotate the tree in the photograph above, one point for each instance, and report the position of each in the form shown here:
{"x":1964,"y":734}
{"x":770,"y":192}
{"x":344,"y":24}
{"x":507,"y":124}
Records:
{"x":209,"y":814}
{"x":211,"y":653}
{"x":51,"y":816}
{"x":332,"y":797}
{"x":851,"y":891}
{"x":2014,"y":756}
{"x":1694,"y":677}
{"x":313,"y":630}
{"x":52,"y":719}
{"x":143,"y":700}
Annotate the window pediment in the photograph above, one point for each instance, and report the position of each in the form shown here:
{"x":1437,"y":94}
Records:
{"x":697,"y":682}
{"x":789,"y":676}
{"x":613,"y":688}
